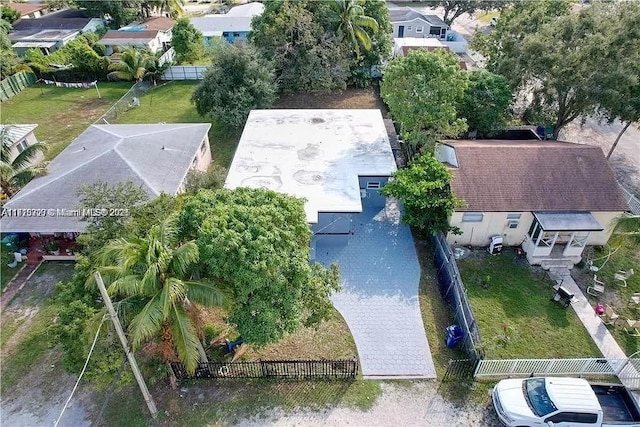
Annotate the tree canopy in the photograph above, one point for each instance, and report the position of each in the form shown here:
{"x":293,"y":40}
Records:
{"x":121,"y":11}
{"x":257,"y":242}
{"x":16,"y":169}
{"x":425,"y":192}
{"x":423,"y":90}
{"x":485,"y":103}
{"x":9,"y":14}
{"x":187,"y":41}
{"x":8,"y":57}
{"x":238,"y":81}
{"x":453,"y":9}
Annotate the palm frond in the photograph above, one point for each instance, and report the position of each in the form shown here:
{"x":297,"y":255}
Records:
{"x":127,"y":286}
{"x":148,"y":323}
{"x":185,"y":338}
{"x":24,"y":158}
{"x":366,"y":21}
{"x":183,"y":257}
{"x":206,"y":293}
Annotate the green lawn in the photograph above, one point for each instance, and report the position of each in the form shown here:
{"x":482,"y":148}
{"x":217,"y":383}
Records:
{"x":519,"y":300}
{"x":61,"y":113}
{"x":485,"y":17}
{"x":171,"y":103}
{"x":618,"y":297}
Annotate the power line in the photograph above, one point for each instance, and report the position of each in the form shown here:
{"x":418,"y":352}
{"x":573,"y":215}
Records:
{"x":84,"y":368}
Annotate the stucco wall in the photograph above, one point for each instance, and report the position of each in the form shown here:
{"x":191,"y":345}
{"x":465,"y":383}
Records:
{"x":31,"y":139}
{"x":332,"y":223}
{"x":373,"y":199}
{"x":496,"y":223}
{"x":203,"y":157}
{"x":413,"y":31}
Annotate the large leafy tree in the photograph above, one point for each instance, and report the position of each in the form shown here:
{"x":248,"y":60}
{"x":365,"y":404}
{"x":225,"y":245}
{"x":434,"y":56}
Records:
{"x":159,"y":271}
{"x":423,"y":90}
{"x":352,"y":23}
{"x":257,"y":242}
{"x":118,"y":197}
{"x":18,"y":169}
{"x":133,"y":64}
{"x":8,"y":57}
{"x":238,"y":81}
{"x":187,"y":41}
{"x":486,"y":102}
{"x":425,"y":192}
{"x":121,"y":11}
{"x":307,"y":56}
{"x":553,"y":58}
{"x":9,"y":14}
{"x":453,"y":9}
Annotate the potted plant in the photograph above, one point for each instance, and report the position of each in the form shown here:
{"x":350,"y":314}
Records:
{"x":54,"y":248}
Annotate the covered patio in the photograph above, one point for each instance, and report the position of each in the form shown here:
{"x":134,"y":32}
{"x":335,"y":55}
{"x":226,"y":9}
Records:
{"x":559,"y":236}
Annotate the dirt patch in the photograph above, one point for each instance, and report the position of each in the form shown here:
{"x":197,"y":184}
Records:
{"x":351,"y":98}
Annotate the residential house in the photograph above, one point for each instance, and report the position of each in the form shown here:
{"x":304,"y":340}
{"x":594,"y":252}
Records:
{"x":337,"y":160}
{"x":552,"y":198}
{"x":410,"y":23}
{"x":153,"y":34}
{"x":49,"y":33}
{"x":231,"y":26}
{"x":155,"y":157}
{"x":17,"y":138}
{"x":30,"y":10}
{"x":401,"y":46}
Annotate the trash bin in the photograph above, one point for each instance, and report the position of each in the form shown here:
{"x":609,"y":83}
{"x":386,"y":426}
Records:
{"x":453,"y":335}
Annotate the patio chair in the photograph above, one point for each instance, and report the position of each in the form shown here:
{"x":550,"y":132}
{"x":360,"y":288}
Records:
{"x":634,"y":300}
{"x":597,"y":288}
{"x":633,"y":328}
{"x":609,"y":317}
{"x":622,"y":276}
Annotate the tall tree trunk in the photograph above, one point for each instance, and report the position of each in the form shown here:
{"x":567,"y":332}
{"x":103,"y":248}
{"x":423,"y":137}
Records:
{"x":613,"y":147}
{"x":203,"y":355}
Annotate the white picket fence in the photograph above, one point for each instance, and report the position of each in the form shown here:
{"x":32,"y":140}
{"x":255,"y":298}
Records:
{"x":184,"y":72}
{"x":627,"y":370}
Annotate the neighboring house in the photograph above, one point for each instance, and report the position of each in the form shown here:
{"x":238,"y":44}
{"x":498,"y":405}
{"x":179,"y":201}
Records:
{"x":553,"y":198}
{"x":30,"y":10}
{"x":402,"y":46}
{"x":156,"y":157}
{"x":335,"y":159}
{"x":231,"y":26}
{"x":18,"y":137}
{"x":153,"y":34}
{"x":409,"y":23}
{"x":51,"y":32}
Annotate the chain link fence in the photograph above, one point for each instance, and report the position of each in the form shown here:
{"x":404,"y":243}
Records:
{"x":129,"y":100}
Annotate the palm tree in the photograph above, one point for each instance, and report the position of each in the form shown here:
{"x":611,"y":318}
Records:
{"x":172,"y":7}
{"x":157,"y":270}
{"x":351,"y":23}
{"x":626,"y":231}
{"x":132,"y":65}
{"x":155,"y":70}
{"x":17,"y":171}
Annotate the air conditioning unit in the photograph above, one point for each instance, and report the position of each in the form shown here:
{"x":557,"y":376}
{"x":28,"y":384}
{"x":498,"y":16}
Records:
{"x":513,"y":224}
{"x":363,"y":193}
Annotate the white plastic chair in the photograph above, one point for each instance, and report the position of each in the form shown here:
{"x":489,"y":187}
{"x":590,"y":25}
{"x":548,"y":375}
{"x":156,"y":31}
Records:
{"x":622,"y":276}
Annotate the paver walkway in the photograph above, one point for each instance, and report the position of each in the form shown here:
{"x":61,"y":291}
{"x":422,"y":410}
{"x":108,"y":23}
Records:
{"x":594,"y":325}
{"x":379,"y":300}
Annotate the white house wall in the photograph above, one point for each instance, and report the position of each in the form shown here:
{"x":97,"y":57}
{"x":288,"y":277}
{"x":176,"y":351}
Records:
{"x":31,"y":139}
{"x":497,"y":224}
{"x":426,"y":28}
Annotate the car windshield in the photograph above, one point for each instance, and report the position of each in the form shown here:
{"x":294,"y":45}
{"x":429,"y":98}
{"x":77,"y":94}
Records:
{"x":537,"y":397}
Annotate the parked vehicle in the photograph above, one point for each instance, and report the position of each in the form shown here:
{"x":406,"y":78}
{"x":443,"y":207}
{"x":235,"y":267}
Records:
{"x":494,"y":21}
{"x":563,"y":402}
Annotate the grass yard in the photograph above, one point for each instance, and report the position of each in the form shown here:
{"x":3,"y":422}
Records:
{"x":519,"y":300}
{"x":617,"y":296}
{"x":61,"y":113}
{"x":485,"y":17}
{"x":171,"y":103}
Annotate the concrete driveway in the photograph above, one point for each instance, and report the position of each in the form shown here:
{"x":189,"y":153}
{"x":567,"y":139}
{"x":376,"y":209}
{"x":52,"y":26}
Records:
{"x":379,"y":300}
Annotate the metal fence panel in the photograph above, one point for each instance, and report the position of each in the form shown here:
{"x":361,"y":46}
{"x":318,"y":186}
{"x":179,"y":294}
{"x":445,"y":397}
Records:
{"x":272,"y":369}
{"x":184,"y":72}
{"x":453,"y":290}
{"x":129,"y":100}
{"x":634,"y":203}
{"x":584,"y":367}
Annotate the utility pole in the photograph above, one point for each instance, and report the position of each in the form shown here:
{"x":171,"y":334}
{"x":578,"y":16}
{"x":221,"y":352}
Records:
{"x":123,"y":339}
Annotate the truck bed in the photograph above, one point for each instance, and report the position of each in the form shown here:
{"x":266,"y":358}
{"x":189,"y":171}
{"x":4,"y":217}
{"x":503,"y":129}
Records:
{"x":617,"y":405}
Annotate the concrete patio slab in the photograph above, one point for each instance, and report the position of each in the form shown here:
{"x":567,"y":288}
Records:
{"x":379,"y":300}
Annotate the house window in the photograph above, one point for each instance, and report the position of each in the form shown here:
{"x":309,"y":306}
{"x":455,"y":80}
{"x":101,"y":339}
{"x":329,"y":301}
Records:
{"x":409,"y":27}
{"x":434,"y":31}
{"x":203,"y":147}
{"x":373,"y":185}
{"x":472,"y":217}
{"x":236,"y":34}
{"x":513,"y":216}
{"x":22,"y":145}
{"x":195,"y":160}
{"x":419,"y":29}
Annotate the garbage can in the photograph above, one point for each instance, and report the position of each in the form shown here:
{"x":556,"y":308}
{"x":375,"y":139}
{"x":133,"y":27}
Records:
{"x":453,"y":335}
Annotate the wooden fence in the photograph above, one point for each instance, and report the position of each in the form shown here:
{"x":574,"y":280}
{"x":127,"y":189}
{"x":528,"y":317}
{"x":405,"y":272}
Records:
{"x":272,"y":369}
{"x":14,"y":84}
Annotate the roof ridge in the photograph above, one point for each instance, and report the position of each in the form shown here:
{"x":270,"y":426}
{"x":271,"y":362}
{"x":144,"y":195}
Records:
{"x":135,"y":170}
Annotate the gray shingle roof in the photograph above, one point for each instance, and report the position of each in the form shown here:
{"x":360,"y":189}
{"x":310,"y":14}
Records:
{"x":408,"y":14}
{"x":156,"y":157}
{"x":526,"y":176}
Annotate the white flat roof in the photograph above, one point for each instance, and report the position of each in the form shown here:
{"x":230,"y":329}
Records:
{"x":314,"y":154}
